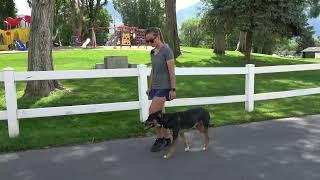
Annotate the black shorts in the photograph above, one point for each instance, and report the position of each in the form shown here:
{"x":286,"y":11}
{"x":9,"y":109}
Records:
{"x":159,"y":93}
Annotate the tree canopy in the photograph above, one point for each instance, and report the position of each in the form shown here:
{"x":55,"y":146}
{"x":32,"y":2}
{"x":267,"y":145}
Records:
{"x":7,"y":9}
{"x":141,"y":13}
{"x":284,"y":18}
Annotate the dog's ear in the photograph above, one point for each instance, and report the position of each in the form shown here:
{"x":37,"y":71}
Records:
{"x":150,"y":118}
{"x":155,"y":116}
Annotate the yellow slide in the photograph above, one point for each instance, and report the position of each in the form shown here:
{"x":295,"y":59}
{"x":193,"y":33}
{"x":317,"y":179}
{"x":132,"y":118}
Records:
{"x":7,"y":37}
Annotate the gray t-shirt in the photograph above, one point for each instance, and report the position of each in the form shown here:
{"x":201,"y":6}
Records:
{"x":160,"y":75}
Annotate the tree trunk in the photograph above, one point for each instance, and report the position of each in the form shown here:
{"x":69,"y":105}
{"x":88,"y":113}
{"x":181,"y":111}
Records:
{"x":40,"y":49}
{"x":171,"y":24}
{"x":91,"y":12}
{"x":219,"y":38}
{"x":81,"y":6}
{"x":77,"y":18}
{"x":248,"y":48}
{"x":73,"y":16}
{"x":242,"y":42}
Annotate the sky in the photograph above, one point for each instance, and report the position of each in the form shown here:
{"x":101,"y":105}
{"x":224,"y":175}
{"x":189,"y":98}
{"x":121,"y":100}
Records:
{"x":185,"y":3}
{"x":23,"y":8}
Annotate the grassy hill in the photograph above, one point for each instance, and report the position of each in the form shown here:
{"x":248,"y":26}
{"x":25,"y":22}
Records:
{"x":53,"y":131}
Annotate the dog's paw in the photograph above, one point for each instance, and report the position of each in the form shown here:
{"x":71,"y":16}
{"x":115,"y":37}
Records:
{"x":204,"y":148}
{"x":187,"y":149}
{"x":165,"y":157}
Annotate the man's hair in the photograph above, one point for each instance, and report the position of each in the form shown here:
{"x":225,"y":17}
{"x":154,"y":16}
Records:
{"x":156,"y":32}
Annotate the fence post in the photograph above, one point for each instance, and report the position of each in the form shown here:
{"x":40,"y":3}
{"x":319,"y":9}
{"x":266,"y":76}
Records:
{"x":11,"y":102}
{"x":249,"y":104}
{"x":143,"y":87}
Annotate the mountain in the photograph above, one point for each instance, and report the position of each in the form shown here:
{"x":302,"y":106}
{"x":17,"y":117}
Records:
{"x":189,"y":12}
{"x":115,"y":14}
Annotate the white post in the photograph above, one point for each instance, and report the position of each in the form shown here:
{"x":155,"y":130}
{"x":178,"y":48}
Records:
{"x":11,"y":102}
{"x":143,"y":87}
{"x":249,"y":104}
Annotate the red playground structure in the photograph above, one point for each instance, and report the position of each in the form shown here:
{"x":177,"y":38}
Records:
{"x":16,"y":35}
{"x":125,"y":36}
{"x":15,"y":23}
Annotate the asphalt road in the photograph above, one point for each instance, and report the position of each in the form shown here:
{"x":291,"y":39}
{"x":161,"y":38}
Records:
{"x":271,"y":150}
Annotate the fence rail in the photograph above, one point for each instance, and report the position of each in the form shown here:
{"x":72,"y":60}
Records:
{"x":12,"y":113}
{"x":286,"y":68}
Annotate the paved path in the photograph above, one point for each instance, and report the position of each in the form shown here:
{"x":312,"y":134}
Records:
{"x":273,"y":150}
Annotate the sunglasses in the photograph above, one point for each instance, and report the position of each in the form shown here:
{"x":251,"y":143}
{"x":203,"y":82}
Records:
{"x":151,"y":40}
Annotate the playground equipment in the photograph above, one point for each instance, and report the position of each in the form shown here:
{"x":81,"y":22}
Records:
{"x":113,"y":40}
{"x":125,"y":36}
{"x":20,"y":45}
{"x":10,"y":38}
{"x":27,"y":20}
{"x":56,"y":38}
{"x":12,"y":23}
{"x":85,"y":44}
{"x":16,"y":35}
{"x":125,"y":33}
{"x":140,"y":37}
{"x":122,"y":36}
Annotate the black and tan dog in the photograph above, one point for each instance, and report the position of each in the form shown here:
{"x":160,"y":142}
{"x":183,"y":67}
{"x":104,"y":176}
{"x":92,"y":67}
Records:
{"x":180,"y":122}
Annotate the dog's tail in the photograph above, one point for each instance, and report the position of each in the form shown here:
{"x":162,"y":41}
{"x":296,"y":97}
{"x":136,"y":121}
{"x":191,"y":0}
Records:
{"x":207,"y":118}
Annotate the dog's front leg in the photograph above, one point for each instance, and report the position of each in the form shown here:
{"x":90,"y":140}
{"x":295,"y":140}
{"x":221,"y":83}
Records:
{"x":173,"y":144}
{"x":185,"y":141}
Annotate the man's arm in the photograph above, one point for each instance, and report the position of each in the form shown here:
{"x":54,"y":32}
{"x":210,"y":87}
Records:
{"x":150,"y":80}
{"x":171,"y":66}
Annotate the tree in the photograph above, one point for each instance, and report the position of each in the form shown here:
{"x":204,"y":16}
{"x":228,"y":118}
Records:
{"x":232,"y":39}
{"x":7,"y":9}
{"x":93,"y":8}
{"x":264,"y":42}
{"x":72,"y":20}
{"x":40,"y":49}
{"x":317,"y":41}
{"x":284,"y":18}
{"x":156,"y":17}
{"x":73,"y":16}
{"x":141,"y":13}
{"x":218,"y":20}
{"x":171,"y":27}
{"x":242,"y":41}
{"x":285,"y":46}
{"x":103,"y":18}
{"x":77,"y":13}
{"x":306,"y":39}
{"x":62,"y":23}
{"x":191,"y":32}
{"x":128,"y":10}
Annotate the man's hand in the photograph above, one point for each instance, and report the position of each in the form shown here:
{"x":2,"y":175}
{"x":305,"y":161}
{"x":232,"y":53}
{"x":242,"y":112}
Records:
{"x":172,"y":95}
{"x":148,"y":92}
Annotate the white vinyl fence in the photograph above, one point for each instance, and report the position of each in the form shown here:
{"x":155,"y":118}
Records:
{"x":12,"y":113}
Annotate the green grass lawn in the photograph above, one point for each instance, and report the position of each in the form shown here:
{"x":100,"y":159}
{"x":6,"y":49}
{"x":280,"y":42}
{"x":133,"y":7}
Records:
{"x":53,"y":131}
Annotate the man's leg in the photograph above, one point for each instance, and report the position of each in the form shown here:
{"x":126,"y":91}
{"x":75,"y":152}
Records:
{"x":163,"y":137}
